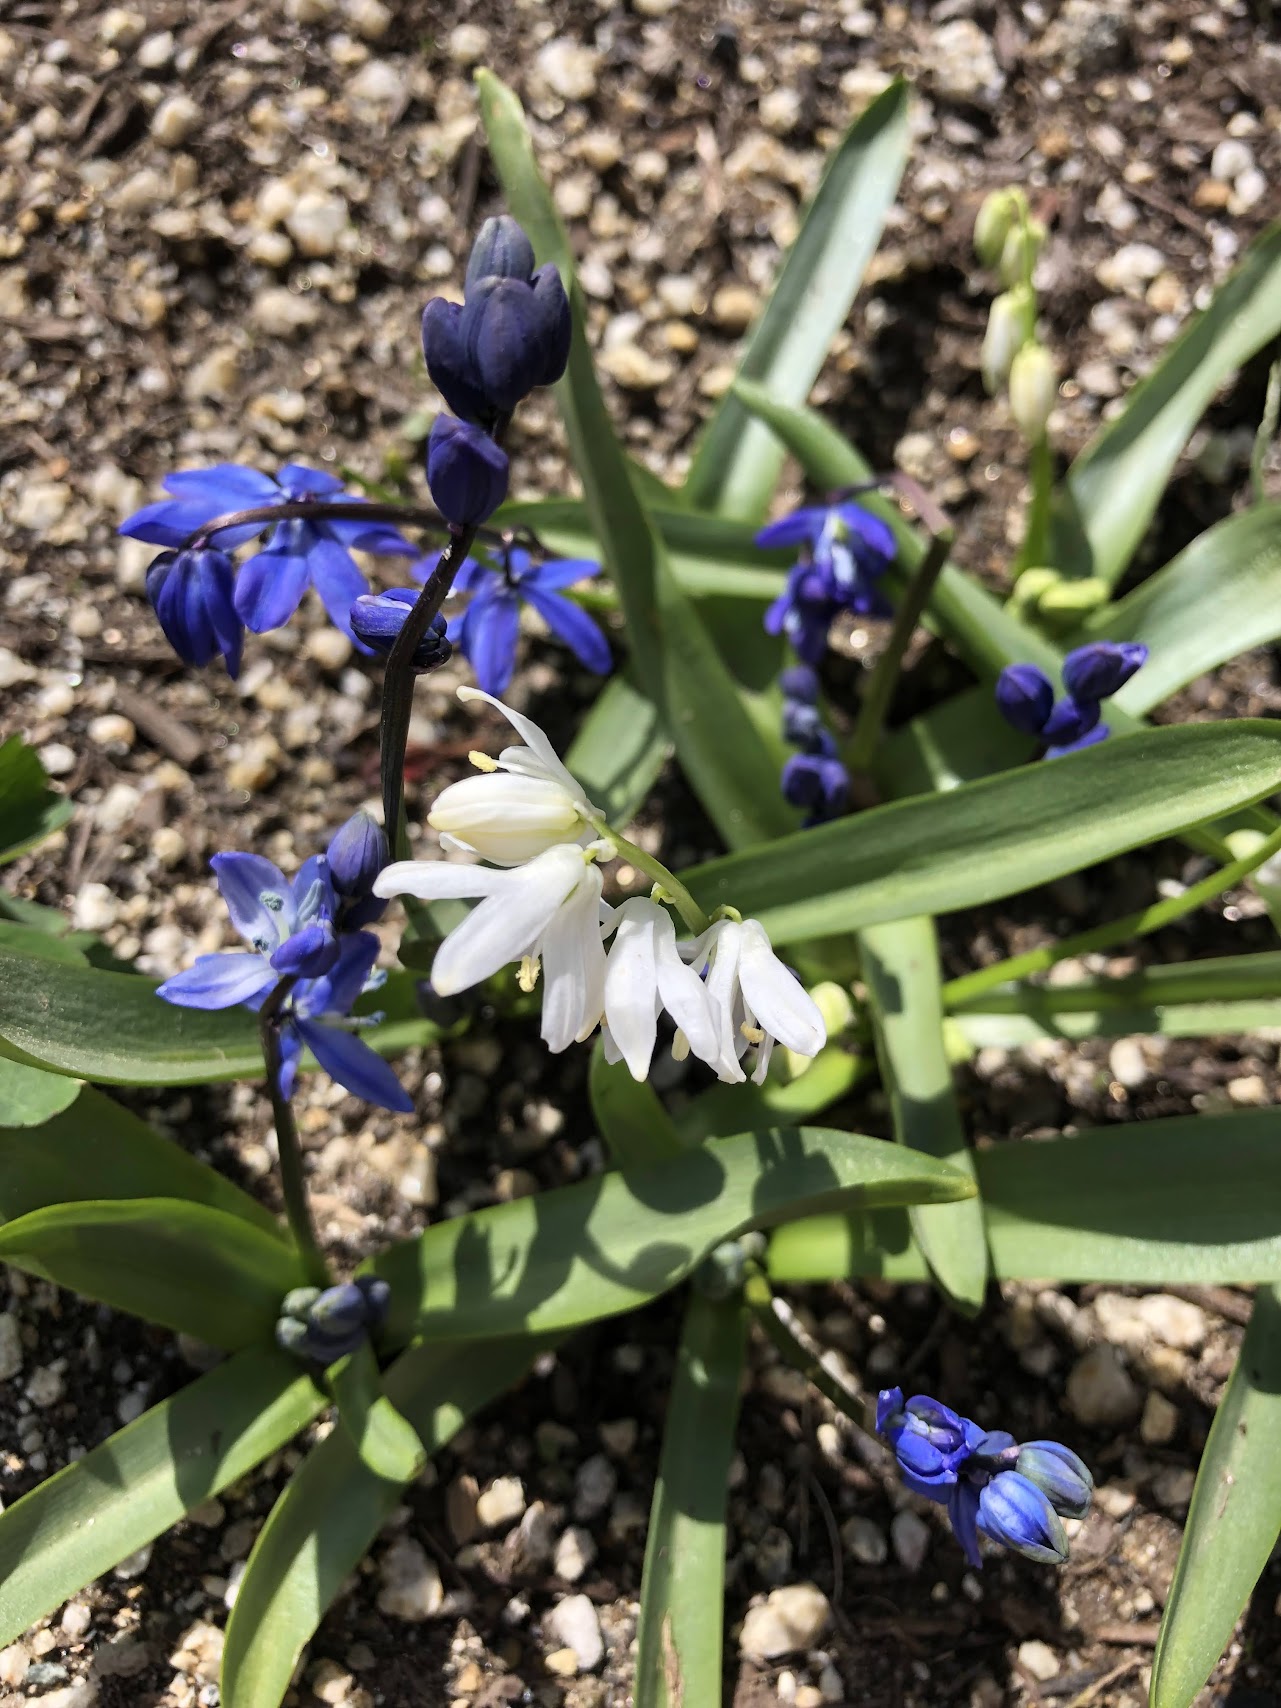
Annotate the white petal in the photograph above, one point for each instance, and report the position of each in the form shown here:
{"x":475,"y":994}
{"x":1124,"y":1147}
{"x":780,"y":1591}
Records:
{"x":506,"y":819}
{"x":682,"y":993}
{"x":781,"y":1004}
{"x":532,"y":736}
{"x":722,"y":991}
{"x":573,"y":965}
{"x":435,"y":880}
{"x":631,"y":988}
{"x":763,"y":1055}
{"x":612,"y":1052}
{"x":505,"y":926}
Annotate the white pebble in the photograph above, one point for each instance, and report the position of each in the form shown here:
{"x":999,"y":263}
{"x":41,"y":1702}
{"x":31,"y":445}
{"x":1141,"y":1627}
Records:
{"x":502,"y":1503}
{"x":168,"y":845}
{"x":567,"y":68}
{"x":112,"y":729}
{"x":575,"y":1623}
{"x":1230,"y":159}
{"x":316,"y":221}
{"x":76,"y":1618}
{"x":1039,"y":1659}
{"x":789,"y":1620}
{"x":910,"y":1535}
{"x":411,"y":1586}
{"x":174,"y":120}
{"x":1100,"y":1390}
{"x":95,"y":908}
{"x":117,"y":807}
{"x":575,"y":1552}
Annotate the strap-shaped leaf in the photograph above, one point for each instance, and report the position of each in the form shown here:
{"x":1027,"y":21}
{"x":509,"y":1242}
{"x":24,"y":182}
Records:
{"x":189,"y":1267}
{"x":737,"y":463}
{"x":30,"y":1095}
{"x":102,"y":1508}
{"x":545,"y":1264}
{"x":29,"y":808}
{"x":619,"y":750}
{"x":96,"y":1149}
{"x":386,"y":1443}
{"x":998,"y":836}
{"x":1114,"y":486}
{"x":679,"y":1639}
{"x":1234,"y":1518}
{"x":333,"y":1507}
{"x":632,"y":1121}
{"x":901,"y":967}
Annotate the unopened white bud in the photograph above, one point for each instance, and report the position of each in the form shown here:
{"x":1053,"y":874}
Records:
{"x":1000,"y":212}
{"x":1009,"y":326}
{"x":1034,"y":386}
{"x":507,"y":817}
{"x":1023,"y":244}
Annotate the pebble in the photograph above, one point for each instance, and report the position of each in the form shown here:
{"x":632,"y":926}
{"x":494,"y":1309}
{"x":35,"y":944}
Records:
{"x":502,"y":1503}
{"x":112,"y":730}
{"x":780,"y":110}
{"x":1130,"y":268}
{"x":95,"y":908}
{"x":619,"y":1436}
{"x":460,"y":1509}
{"x":575,"y":1552}
{"x":14,"y":1662}
{"x":734,"y":307}
{"x":411,"y":1586}
{"x":256,"y":766}
{"x":1134,"y":1323}
{"x":1126,"y":1063}
{"x":1230,"y":159}
{"x":1172,"y":1487}
{"x":910,"y":1535}
{"x":1100,"y":1390}
{"x":40,"y":503}
{"x":1160,"y":1421}
{"x":10,"y":1346}
{"x":963,"y":62}
{"x":468,"y":44}
{"x":1250,"y":189}
{"x":575,"y":1623}
{"x":156,"y":51}
{"x":865,"y":1541}
{"x":535,"y":1534}
{"x":330,"y":1682}
{"x":790,"y":1619}
{"x":369,"y":18}
{"x":1249,"y":1091}
{"x":215,"y":375}
{"x":563,"y":1662}
{"x":76,"y":1618}
{"x":82,"y":1694}
{"x":567,"y":68}
{"x":594,"y":1485}
{"x":57,"y":758}
{"x":634,"y":368}
{"x":1099,"y":377}
{"x":279,"y":311}
{"x":168,"y":845}
{"x":174,"y":120}
{"x":329,"y":647}
{"x":1039,"y":1659}
{"x":133,"y":1565}
{"x":13,"y":669}
{"x":46,"y":1672}
{"x":378,"y":83}
{"x":316,"y":221}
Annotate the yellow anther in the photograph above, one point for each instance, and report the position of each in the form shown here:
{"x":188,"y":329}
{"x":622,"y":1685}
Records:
{"x":483,"y":762}
{"x":680,"y":1046}
{"x":527,"y":977}
{"x":753,"y":1034}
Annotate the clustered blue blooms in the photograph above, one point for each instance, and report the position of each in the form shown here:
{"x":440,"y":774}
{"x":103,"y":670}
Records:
{"x":845,"y":550}
{"x":1015,"y":1495}
{"x":1091,"y":674}
{"x":813,"y":779}
{"x":203,"y":605}
{"x":308,"y":931}
{"x":325,"y":1325}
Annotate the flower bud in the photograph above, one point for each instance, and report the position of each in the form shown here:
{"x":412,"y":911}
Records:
{"x":1010,"y":324}
{"x":802,"y":724}
{"x":1034,"y":387}
{"x":1023,"y":244}
{"x":309,"y":953}
{"x":1031,"y":587}
{"x":1014,"y":1512}
{"x":722,"y":1272}
{"x":356,"y":854}
{"x":1095,"y":671}
{"x":1001,"y":210}
{"x":377,"y":618}
{"x":1067,"y":603}
{"x":1069,"y":721}
{"x":817,"y":784}
{"x":800,"y":682}
{"x":377,"y":1298}
{"x":191,"y":593}
{"x":340,"y":1310}
{"x":516,"y":336}
{"x":501,"y":251}
{"x":1024,"y":697}
{"x":507,"y":817}
{"x":1061,"y":1476}
{"x":466,"y":471}
{"x":448,"y":367}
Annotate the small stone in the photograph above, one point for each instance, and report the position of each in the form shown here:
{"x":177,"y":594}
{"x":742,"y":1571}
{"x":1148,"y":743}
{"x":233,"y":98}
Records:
{"x":1099,"y":378}
{"x":1230,"y":159}
{"x":1130,"y":269}
{"x":619,"y":1436}
{"x":10,"y":1346}
{"x":40,"y":503}
{"x":411,"y":1586}
{"x":1100,"y":1390}
{"x":156,"y":51}
{"x":910,"y":1535}
{"x":575,"y":1552}
{"x":1166,"y":294}
{"x":256,"y":766}
{"x":120,"y":27}
{"x":369,"y":18}
{"x":1211,"y":195}
{"x":460,"y":1509}
{"x":594,"y":1484}
{"x":563,"y":1662}
{"x":174,"y":120}
{"x":963,"y":63}
{"x":133,"y":1565}
{"x":1126,"y":1063}
{"x":316,"y":221}
{"x":215,"y":375}
{"x":168,"y":845}
{"x":865,"y":1541}
{"x":634,"y":368}
{"x":13,"y":669}
{"x":789,"y":1620}
{"x":85,"y":622}
{"x":378,"y":84}
{"x":329,"y":647}
{"x":780,"y":110}
{"x":46,"y":1672}
{"x":1039,"y":1659}
{"x":502,"y":1503}
{"x":1250,"y":1091}
{"x":112,"y":730}
{"x":58,"y":759}
{"x":330,"y":1682}
{"x":1160,"y":1421}
{"x":14,"y":1662}
{"x":95,"y":908}
{"x":468,"y":44}
{"x":1135,"y":1323}
{"x":1172,"y":1487}
{"x":279,"y":311}
{"x":126,"y":1657}
{"x":76,"y":1618}
{"x":808,"y":1696}
{"x":734,"y":307}
{"x":1250,"y":189}
{"x":575,"y":1623}
{"x":567,"y":68}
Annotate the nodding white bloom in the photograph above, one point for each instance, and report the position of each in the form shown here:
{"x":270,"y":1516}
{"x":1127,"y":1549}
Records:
{"x":644,"y":974}
{"x":549,"y":909}
{"x":522,"y":803}
{"x":754,"y":998}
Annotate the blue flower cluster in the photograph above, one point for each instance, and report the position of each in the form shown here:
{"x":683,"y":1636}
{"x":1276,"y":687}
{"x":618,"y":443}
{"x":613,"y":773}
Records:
{"x":203,"y":605}
{"x":324,"y":1326}
{"x":308,"y":931}
{"x":510,"y":334}
{"x":991,"y":1486}
{"x":844,"y":552}
{"x":1091,"y":674}
{"x":813,"y":779}
{"x":490,"y":626}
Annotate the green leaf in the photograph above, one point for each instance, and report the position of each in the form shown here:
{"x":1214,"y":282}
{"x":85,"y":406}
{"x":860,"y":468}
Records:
{"x":96,"y":1149}
{"x":29,"y":808}
{"x":1234,"y":1518}
{"x":386,"y":1443}
{"x":620,"y":748}
{"x":102,"y":1508}
{"x":1113,"y":488}
{"x":333,"y":1507}
{"x":1154,"y":1203}
{"x":44,"y":945}
{"x":1219,"y":597}
{"x":1010,"y":1031}
{"x":737,"y":463}
{"x":189,"y":1267}
{"x":29,"y":1095}
{"x":723,"y":1109}
{"x":632,"y":1121}
{"x":603,"y":1246}
{"x":995,"y":837}
{"x":901,"y":968}
{"x":679,"y":1638}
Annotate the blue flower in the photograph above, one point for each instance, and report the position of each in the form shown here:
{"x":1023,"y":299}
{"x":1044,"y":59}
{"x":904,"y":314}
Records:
{"x":816,"y":781}
{"x":930,"y":1440}
{"x":488,"y":631}
{"x":298,"y":553}
{"x":378,"y":618}
{"x":844,"y":552}
{"x":1024,"y":697}
{"x":466,"y":471}
{"x":804,"y":610}
{"x":1096,"y":671}
{"x":192,"y":594}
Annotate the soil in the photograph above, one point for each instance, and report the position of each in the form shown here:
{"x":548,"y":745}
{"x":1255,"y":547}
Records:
{"x":220,"y":229}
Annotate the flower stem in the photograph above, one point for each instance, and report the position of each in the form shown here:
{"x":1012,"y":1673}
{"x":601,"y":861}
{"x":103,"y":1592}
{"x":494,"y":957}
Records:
{"x":876,"y":698}
{"x":1041,"y":474}
{"x":778,"y":1320}
{"x":671,"y":886}
{"x":962,"y":992}
{"x":292,"y":1184}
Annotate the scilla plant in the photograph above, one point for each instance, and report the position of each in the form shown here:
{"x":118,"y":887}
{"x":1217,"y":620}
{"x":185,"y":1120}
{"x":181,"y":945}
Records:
{"x":814,"y":931}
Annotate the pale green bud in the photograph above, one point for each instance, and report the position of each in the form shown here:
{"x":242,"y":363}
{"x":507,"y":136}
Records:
{"x":1010,"y":323}
{"x":1072,"y":600}
{"x":1023,"y":243}
{"x":835,"y":1005}
{"x":1031,"y":587}
{"x":1034,"y":386}
{"x":1000,"y":212}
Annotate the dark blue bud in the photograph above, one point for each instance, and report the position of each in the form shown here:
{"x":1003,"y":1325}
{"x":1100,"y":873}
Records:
{"x":1015,"y":1513}
{"x":1024,"y":697}
{"x":799,"y":682}
{"x":448,"y":365}
{"x":1061,"y":1476}
{"x":802,"y":724}
{"x":503,"y":336}
{"x":1095,"y":671}
{"x":340,"y":1310}
{"x":191,"y":593}
{"x":1069,"y":721}
{"x":1099,"y":733}
{"x":501,"y":251}
{"x":818,"y":785}
{"x":556,"y":325}
{"x":466,"y":471}
{"x":889,"y":1410}
{"x":377,"y":1298}
{"x":356,"y":854}
{"x":309,"y":953}
{"x":377,"y":618}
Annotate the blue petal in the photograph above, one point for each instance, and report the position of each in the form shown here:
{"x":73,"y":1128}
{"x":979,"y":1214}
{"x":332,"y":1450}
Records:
{"x":801,"y":527}
{"x":290,"y":1050}
{"x":380,"y":538}
{"x":336,"y":993}
{"x":470,"y":578}
{"x":223,"y":486}
{"x":580,"y":634}
{"x":889,"y":1403}
{"x":491,"y":627}
{"x":871,"y":530}
{"x":301,"y":482}
{"x":336,"y":579}
{"x":273,"y":581}
{"x":218,"y":981}
{"x":557,"y":573}
{"x":351,"y":1062}
{"x":168,"y":523}
{"x":963,"y":1511}
{"x":309,"y":953}
{"x":243,"y":881}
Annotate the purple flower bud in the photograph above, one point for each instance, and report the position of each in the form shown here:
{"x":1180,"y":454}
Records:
{"x":819,"y":785}
{"x":356,"y":854}
{"x":1099,"y":733}
{"x":1014,"y":1512}
{"x":889,"y":1410}
{"x":466,"y":471}
{"x":1069,"y":721}
{"x":339,"y":1310}
{"x":1095,"y":671}
{"x":1024,"y":697}
{"x":448,"y":366}
{"x":377,"y":618}
{"x":556,"y":324}
{"x":1061,"y":1476}
{"x":802,"y":724}
{"x":191,"y":593}
{"x":800,"y":682}
{"x":501,"y":251}
{"x":309,"y":953}
{"x":377,"y":1298}
{"x":516,"y":336}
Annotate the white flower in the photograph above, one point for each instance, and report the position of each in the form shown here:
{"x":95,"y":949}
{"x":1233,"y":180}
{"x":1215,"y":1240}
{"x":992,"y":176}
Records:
{"x":754,"y":999}
{"x":548,"y":909}
{"x":645,"y":973}
{"x":522,"y":804}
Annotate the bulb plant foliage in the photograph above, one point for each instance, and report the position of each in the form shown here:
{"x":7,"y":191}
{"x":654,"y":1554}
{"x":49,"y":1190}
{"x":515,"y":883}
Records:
{"x":516,"y":887}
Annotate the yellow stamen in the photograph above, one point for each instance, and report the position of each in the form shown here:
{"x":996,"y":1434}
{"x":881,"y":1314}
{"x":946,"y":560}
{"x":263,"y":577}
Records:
{"x":483,"y":762}
{"x":527,"y":977}
{"x":680,"y":1046}
{"x":753,"y":1034}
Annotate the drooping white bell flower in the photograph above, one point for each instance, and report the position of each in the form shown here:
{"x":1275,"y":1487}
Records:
{"x":548,"y":909}
{"x":521,"y":804}
{"x":644,"y":974}
{"x":754,"y":999}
